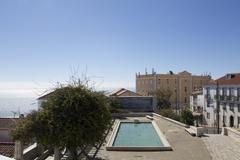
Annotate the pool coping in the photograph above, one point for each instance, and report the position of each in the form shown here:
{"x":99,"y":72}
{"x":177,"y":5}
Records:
{"x":166,"y":146}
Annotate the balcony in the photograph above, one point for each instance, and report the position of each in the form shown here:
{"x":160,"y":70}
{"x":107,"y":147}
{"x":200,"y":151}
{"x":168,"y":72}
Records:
{"x":198,"y":109}
{"x":208,"y":96}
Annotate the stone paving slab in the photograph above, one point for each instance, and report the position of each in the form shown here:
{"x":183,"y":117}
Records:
{"x":222,"y":147}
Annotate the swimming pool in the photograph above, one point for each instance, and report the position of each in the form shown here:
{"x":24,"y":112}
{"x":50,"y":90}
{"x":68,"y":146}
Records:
{"x":137,"y":134}
{"x":142,"y":136}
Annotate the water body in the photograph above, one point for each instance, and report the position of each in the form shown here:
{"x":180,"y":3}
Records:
{"x":16,"y":105}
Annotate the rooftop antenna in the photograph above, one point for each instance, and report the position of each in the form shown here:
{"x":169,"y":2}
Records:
{"x":14,"y":113}
{"x":153,"y":71}
{"x":146,"y":71}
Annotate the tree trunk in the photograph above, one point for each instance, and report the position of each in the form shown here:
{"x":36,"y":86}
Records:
{"x":57,"y":155}
{"x":18,"y":154}
{"x":72,"y":154}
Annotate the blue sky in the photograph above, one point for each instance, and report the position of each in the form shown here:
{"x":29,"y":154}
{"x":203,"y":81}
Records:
{"x":41,"y":41}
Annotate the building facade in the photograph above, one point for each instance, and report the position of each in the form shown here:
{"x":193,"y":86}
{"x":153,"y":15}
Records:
{"x":228,"y":90}
{"x":197,"y":105}
{"x":197,"y":102}
{"x":181,"y":85}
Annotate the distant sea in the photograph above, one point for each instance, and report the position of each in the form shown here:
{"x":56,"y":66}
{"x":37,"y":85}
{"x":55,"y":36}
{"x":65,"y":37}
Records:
{"x":16,"y":105}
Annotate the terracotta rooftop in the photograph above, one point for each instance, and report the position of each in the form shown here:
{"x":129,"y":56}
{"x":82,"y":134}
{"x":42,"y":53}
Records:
{"x":228,"y":79}
{"x":121,"y":91}
{"x":7,"y":149}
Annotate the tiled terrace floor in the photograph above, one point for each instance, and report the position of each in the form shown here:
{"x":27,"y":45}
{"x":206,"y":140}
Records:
{"x":222,"y":147}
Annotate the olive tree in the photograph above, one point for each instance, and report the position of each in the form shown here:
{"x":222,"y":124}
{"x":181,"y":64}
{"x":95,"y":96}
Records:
{"x":73,"y":116}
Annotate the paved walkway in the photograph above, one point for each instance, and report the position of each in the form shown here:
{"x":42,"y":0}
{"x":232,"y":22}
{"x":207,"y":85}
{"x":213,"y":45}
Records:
{"x":222,"y":147}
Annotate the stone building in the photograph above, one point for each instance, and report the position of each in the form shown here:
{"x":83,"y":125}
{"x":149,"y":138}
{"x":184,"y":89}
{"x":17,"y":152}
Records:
{"x":181,"y":85}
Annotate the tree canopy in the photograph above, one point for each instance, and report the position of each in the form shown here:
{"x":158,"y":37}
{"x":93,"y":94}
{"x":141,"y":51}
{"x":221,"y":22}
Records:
{"x":72,"y":116}
{"x":187,"y":117}
{"x":163,"y":98}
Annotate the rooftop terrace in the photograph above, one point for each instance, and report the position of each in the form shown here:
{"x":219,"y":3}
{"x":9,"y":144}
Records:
{"x":184,"y":146}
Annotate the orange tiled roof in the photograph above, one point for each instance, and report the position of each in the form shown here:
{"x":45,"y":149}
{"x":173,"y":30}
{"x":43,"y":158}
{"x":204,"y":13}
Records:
{"x":7,"y":149}
{"x":229,"y":79}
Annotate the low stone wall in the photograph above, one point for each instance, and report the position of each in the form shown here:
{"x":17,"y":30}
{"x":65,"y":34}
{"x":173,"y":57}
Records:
{"x":211,"y":130}
{"x":170,"y":120}
{"x":135,"y":114}
{"x":231,"y":133}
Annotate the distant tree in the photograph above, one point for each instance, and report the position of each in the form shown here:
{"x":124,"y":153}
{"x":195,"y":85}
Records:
{"x":187,"y":117}
{"x":163,"y":98}
{"x":73,"y":116}
{"x":169,"y":114}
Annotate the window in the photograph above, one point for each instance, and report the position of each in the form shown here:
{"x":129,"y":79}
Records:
{"x":185,"y":89}
{"x":224,"y":106}
{"x":185,"y":99}
{"x":208,"y":103}
{"x":224,"y":91}
{"x":167,"y":81}
{"x":159,"y":81}
{"x":231,"y":105}
{"x":208,"y":91}
{"x":238,"y":94}
{"x":208,"y":94}
{"x":238,"y":122}
{"x":231,"y":94}
{"x":224,"y":119}
{"x":238,"y":107}
{"x":208,"y":115}
{"x":231,"y":91}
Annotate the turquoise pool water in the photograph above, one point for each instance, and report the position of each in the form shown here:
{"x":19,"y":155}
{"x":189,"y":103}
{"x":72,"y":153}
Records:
{"x":133,"y":135}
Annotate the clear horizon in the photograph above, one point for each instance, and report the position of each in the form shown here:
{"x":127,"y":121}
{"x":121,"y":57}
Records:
{"x":43,"y":42}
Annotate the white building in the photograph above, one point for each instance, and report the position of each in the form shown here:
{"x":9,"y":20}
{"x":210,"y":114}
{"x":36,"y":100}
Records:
{"x":229,"y":101}
{"x":197,"y":105}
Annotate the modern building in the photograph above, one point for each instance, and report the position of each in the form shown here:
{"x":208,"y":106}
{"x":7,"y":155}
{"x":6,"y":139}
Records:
{"x":132,"y":101}
{"x":181,"y":85}
{"x":228,"y":101}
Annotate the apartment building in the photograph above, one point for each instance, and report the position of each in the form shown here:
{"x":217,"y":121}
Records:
{"x":181,"y":85}
{"x":228,"y":89}
{"x":197,"y":105}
